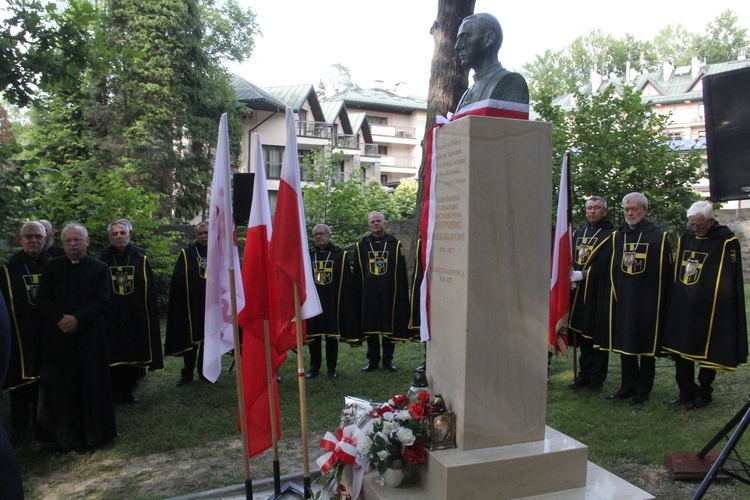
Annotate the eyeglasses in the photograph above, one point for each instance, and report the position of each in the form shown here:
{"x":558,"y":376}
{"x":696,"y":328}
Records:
{"x":33,"y":236}
{"x":319,"y":234}
{"x":594,"y":209}
{"x":701,"y":225}
{"x":70,"y":241}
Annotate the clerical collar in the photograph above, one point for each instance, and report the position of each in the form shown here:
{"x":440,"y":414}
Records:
{"x":75,"y":261}
{"x":489,"y":70}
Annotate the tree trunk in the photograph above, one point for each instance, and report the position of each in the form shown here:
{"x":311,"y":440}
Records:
{"x":448,"y":80}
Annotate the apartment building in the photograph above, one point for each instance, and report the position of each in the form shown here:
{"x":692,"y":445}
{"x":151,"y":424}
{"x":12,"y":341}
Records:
{"x":376,"y":131}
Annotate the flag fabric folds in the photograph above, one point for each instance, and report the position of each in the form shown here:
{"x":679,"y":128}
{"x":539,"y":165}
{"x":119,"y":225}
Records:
{"x":562,"y":264}
{"x":261,"y":290}
{"x":289,"y":248}
{"x":222,"y":260}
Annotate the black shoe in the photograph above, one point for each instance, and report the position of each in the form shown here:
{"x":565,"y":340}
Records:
{"x":577,"y":384}
{"x":278,"y":378}
{"x":312,"y":373}
{"x":390,"y":367}
{"x":370,"y":367}
{"x":619,"y":395}
{"x":422,"y":367}
{"x":183,"y":381}
{"x":332,"y":375}
{"x":699,"y":402}
{"x":595,"y":387}
{"x":680,"y":400}
{"x":638,"y":399}
{"x":128,"y":398}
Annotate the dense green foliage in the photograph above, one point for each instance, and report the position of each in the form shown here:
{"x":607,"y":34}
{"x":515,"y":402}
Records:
{"x":345,"y":204}
{"x":556,"y":72}
{"x":617,"y":146}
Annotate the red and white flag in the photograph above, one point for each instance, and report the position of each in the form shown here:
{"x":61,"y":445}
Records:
{"x":261,"y":289}
{"x":222,"y":261}
{"x":289,"y":248}
{"x":562,"y":265}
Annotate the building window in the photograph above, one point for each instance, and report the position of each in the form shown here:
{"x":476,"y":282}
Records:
{"x":383,"y":179}
{"x":306,"y":165}
{"x":382,"y":150}
{"x":272,"y":156}
{"x":380,"y":121}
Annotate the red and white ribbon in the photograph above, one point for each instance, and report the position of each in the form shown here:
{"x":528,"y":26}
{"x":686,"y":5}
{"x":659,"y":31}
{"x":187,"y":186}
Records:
{"x":341,"y":447}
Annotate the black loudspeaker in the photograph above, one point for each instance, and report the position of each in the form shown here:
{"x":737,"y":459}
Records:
{"x":242,"y":197}
{"x":727,"y":111}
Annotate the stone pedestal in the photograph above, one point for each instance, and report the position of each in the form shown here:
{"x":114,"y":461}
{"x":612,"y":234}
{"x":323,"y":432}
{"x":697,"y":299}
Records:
{"x":490,"y":278}
{"x":490,"y":285}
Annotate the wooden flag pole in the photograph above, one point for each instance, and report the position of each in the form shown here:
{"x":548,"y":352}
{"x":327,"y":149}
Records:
{"x":302,"y":398}
{"x":272,"y":402}
{"x":240,"y":392}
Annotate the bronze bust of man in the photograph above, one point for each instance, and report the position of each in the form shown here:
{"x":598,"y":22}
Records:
{"x":479,"y":39}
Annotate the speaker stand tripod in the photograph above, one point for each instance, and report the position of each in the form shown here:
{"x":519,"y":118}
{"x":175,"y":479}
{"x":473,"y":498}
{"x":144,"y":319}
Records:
{"x":741,"y":420}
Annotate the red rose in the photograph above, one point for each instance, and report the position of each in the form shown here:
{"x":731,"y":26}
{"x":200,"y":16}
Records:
{"x":424,"y":397}
{"x":417,"y":411}
{"x":415,"y":454}
{"x":401,"y":400}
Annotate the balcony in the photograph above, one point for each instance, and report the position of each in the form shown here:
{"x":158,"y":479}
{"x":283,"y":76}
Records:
{"x":397,"y":161}
{"x":396,"y":132}
{"x":345,"y":141}
{"x":370,"y":150}
{"x":314,"y":129}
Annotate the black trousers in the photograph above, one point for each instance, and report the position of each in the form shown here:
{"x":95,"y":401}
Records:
{"x":685,"y":378}
{"x":23,"y":407}
{"x":192,"y":359}
{"x":637,"y":374}
{"x":373,"y":349}
{"x":316,"y":352}
{"x":593,"y":363}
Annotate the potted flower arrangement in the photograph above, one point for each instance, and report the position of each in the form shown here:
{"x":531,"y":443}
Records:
{"x":397,"y":433}
{"x":392,"y":438}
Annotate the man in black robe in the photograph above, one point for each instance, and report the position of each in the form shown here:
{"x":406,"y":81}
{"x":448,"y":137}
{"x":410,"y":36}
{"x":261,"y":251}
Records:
{"x":633,"y":268}
{"x":11,"y":484}
{"x":380,"y":281}
{"x":593,"y":362}
{"x":19,"y":283}
{"x":187,"y":306}
{"x":133,"y":334}
{"x":333,"y":281}
{"x":706,"y":317}
{"x":75,"y":396}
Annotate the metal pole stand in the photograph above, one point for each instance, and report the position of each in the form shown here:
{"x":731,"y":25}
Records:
{"x":741,"y":420}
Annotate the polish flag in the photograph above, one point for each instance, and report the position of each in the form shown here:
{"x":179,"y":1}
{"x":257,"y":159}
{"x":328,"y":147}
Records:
{"x":261,"y":289}
{"x":562,"y":264}
{"x":289,"y":247}
{"x":223,"y":260}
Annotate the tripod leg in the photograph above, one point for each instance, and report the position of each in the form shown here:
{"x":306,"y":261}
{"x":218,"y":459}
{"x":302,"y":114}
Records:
{"x":724,"y":431}
{"x":722,"y":458}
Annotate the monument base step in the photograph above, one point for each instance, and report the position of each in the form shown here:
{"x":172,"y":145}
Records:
{"x":554,"y":468}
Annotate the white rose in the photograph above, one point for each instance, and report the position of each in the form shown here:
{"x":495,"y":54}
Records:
{"x":383,"y":455}
{"x":364,"y":445}
{"x":390,"y":427}
{"x":403,"y":415}
{"x":406,"y":436}
{"x":388,"y":416}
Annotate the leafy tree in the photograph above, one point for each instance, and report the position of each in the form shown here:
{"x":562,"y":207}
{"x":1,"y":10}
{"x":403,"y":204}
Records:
{"x":724,"y":40}
{"x":404,"y":200}
{"x":673,"y":43}
{"x":618,"y":146}
{"x":557,"y":72}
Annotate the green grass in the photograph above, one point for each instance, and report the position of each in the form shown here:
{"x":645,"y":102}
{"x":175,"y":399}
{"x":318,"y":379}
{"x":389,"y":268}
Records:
{"x":173,"y":429}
